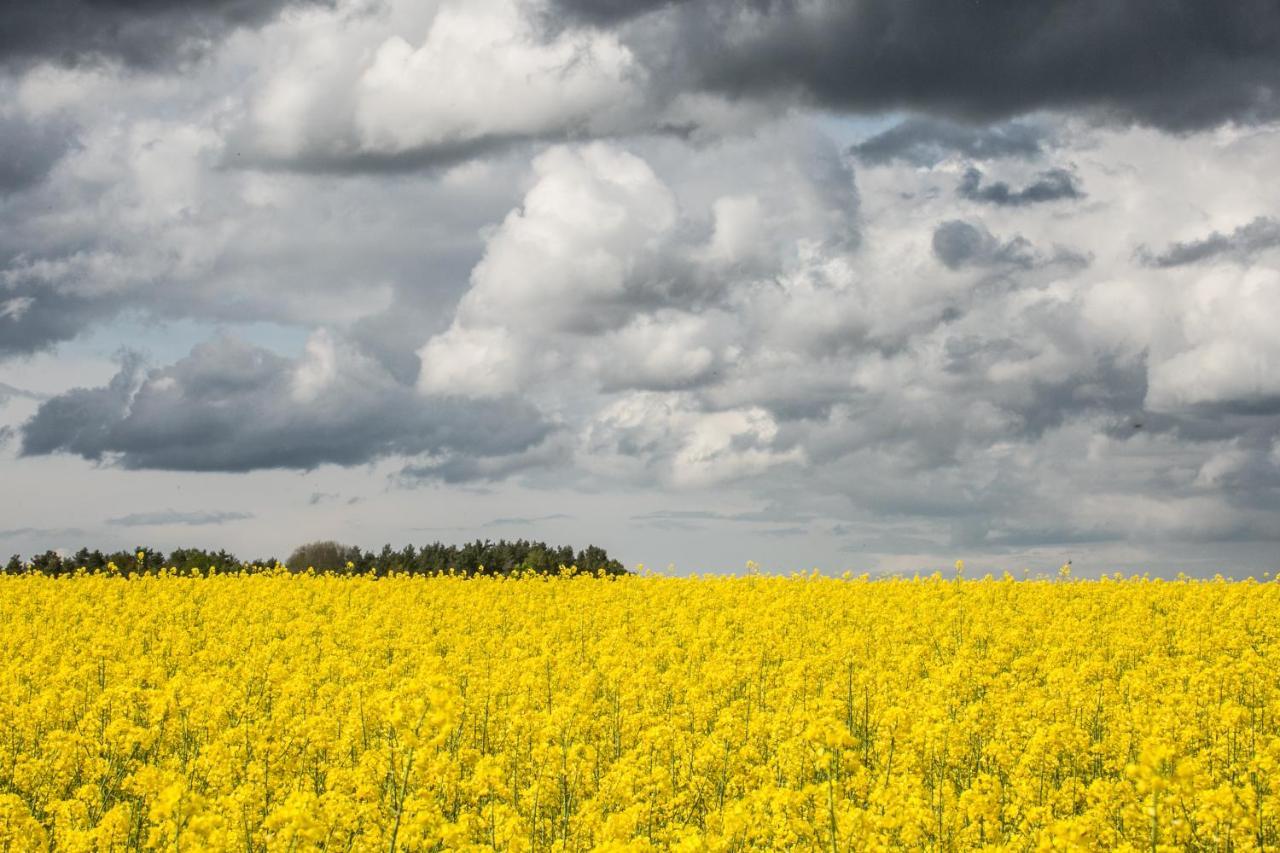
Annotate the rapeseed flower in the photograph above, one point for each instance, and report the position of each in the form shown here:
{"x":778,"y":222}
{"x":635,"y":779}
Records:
{"x":272,"y":711}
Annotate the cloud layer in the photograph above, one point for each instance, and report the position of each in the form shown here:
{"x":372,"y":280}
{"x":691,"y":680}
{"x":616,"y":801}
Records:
{"x":1053,"y":185}
{"x":1240,"y":245}
{"x":169,"y":517}
{"x":233,"y":407}
{"x":1188,"y":66}
{"x":903,"y":278}
{"x":135,"y":32}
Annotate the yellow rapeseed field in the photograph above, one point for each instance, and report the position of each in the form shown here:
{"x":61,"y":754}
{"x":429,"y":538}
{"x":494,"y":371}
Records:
{"x":277,"y":712}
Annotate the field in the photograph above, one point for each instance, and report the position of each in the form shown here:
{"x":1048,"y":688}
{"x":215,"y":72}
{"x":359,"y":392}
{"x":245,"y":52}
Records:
{"x":278,"y":712}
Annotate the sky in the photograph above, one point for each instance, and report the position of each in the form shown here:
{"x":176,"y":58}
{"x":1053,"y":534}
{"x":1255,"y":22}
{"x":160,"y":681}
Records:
{"x":870,"y":285}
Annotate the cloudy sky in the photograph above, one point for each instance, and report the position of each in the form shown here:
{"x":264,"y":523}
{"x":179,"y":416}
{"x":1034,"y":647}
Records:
{"x":869,"y":285}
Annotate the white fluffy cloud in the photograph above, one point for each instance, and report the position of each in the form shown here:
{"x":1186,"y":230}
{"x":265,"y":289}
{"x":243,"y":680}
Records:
{"x":572,"y":258}
{"x":609,"y":273}
{"x":585,"y":237}
{"x":481,"y":72}
{"x":1221,"y":347}
{"x":666,"y":438}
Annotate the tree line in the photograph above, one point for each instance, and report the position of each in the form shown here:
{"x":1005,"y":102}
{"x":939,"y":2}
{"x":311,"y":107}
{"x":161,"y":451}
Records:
{"x":481,"y":557}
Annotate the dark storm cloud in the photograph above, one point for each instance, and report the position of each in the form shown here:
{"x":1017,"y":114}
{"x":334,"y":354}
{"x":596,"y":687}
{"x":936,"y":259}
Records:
{"x":35,"y":318}
{"x":191,"y":519}
{"x":28,"y":151}
{"x":608,"y":12}
{"x":81,"y":420}
{"x":1179,"y":65}
{"x":1053,"y":185}
{"x":140,"y":33}
{"x":345,"y":157}
{"x":923,"y":141}
{"x":1240,"y":245}
{"x":229,"y":406}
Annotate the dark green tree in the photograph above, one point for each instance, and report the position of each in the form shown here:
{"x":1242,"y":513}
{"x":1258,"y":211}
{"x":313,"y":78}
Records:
{"x":327,"y":556}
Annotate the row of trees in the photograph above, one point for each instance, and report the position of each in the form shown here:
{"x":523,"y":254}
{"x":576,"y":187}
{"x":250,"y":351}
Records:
{"x":480,"y":557}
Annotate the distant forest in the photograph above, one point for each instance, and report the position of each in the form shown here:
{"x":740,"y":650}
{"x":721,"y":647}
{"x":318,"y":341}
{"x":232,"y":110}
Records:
{"x":474,"y":558}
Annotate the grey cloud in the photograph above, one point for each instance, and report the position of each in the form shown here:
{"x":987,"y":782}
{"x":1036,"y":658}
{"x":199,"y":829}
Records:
{"x":1252,"y":422}
{"x":906,"y":468}
{"x":1104,"y":384}
{"x":1053,"y":185}
{"x":610,"y":12}
{"x":344,"y":155}
{"x":318,"y":498}
{"x":784,"y":532}
{"x":140,"y":33}
{"x":971,"y":353}
{"x":1240,"y":245}
{"x":675,"y":524}
{"x":768,"y":515}
{"x":166,"y":517}
{"x":80,"y":250}
{"x":1260,"y":405}
{"x":46,"y":532}
{"x":229,"y":406}
{"x":680,"y":515}
{"x":8,"y":392}
{"x":458,"y":468}
{"x":81,"y":419}
{"x":1014,"y":537}
{"x":924,"y":141}
{"x":30,"y":151}
{"x":35,"y":318}
{"x":522,"y":521}
{"x":1188,"y":65}
{"x":927,"y":438}
{"x":959,"y":244}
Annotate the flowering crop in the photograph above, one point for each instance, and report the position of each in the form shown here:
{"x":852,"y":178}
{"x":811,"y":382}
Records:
{"x":278,"y":712}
